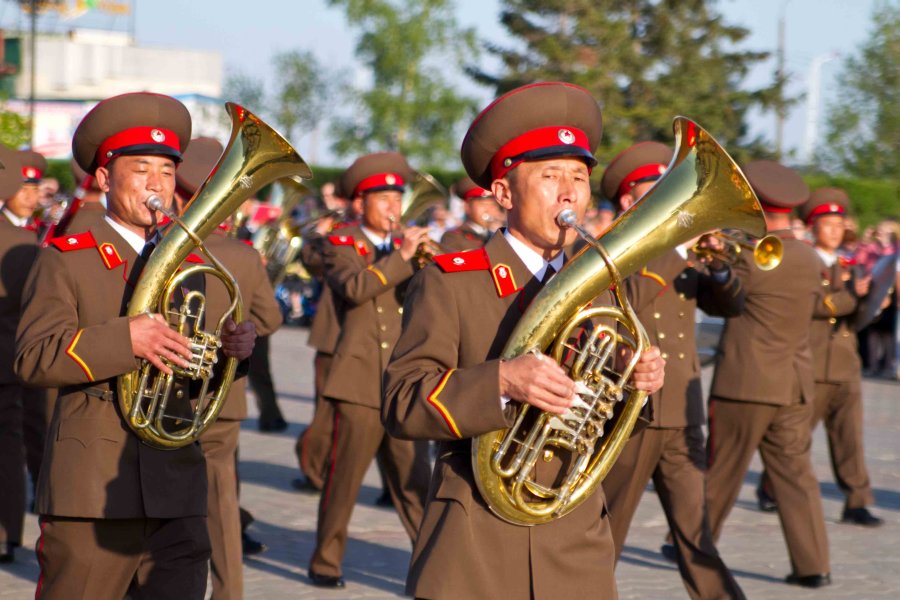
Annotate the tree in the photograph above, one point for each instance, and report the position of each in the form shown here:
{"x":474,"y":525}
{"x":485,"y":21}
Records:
{"x":246,"y":90}
{"x":863,"y":130}
{"x":409,"y":46}
{"x":15,"y":129}
{"x":644,"y":60}
{"x":303,"y":94}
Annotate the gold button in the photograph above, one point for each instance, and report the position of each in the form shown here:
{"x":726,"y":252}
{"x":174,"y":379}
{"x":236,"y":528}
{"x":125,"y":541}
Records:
{"x":681,"y":355}
{"x":680,"y":336}
{"x":681,"y":296}
{"x":384,"y":345}
{"x":379,"y":310}
{"x":656,"y":315}
{"x":681,"y":315}
{"x":825,"y":282}
{"x":832,"y":321}
{"x":384,"y":327}
{"x":400,"y":310}
{"x":665,"y":355}
{"x":662,"y":335}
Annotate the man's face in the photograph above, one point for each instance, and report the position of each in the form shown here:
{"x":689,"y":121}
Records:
{"x":25,"y":201}
{"x":536,"y":193}
{"x":828,"y":231}
{"x":381,"y":211}
{"x":630,"y":198}
{"x":129,"y":181}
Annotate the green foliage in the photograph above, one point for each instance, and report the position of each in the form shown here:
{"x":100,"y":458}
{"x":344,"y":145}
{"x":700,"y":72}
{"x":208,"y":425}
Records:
{"x":15,"y":129}
{"x":302,"y":94}
{"x":246,"y":90}
{"x":871,"y":199}
{"x":61,"y":170}
{"x":410,"y":107}
{"x":864,"y":123}
{"x":645,"y":61}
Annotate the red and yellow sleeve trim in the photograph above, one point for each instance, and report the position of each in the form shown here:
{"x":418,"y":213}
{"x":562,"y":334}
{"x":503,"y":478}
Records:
{"x":70,"y":351}
{"x":654,"y":276}
{"x":438,"y":405}
{"x":377,"y":274}
{"x":829,"y":304}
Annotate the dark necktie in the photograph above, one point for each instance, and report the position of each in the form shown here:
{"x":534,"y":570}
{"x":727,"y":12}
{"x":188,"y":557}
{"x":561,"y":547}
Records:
{"x":383,"y":250}
{"x":548,"y":274}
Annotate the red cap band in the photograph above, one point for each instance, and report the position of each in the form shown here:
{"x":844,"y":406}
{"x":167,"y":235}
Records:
{"x":381,"y":180}
{"x":645,"y":173}
{"x":826,"y":209}
{"x":771,"y":208}
{"x":165,"y":139}
{"x":510,"y":154}
{"x":477,"y":192}
{"x":32,"y":174}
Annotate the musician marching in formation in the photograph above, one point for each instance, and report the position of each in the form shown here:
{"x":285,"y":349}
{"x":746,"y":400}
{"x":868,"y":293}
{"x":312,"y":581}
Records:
{"x":412,"y":350}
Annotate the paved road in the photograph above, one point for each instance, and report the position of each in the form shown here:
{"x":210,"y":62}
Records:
{"x":865,"y":563}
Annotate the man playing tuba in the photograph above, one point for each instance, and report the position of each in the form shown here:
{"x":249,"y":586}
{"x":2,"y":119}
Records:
{"x":533,"y":148}
{"x":118,"y":517}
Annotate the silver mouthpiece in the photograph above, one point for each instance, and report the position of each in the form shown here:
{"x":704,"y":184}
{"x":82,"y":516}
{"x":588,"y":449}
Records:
{"x":155,"y":203}
{"x":566,"y":218}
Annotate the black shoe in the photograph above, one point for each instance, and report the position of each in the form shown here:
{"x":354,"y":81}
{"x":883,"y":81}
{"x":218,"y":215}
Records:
{"x":252,"y":546}
{"x":765,"y":502}
{"x":326,"y":581}
{"x":302,"y":484}
{"x":7,"y":552}
{"x":384,"y":500}
{"x":275,"y":425}
{"x":669,"y":552}
{"x":860,"y":516}
{"x":810,"y":581}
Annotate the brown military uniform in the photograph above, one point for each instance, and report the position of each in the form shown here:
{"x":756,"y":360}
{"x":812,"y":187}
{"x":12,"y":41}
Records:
{"x":18,"y":249}
{"x":464,"y":237}
{"x":761,"y":397}
{"x":368,"y":294}
{"x":671,"y":451}
{"x":443,"y":384}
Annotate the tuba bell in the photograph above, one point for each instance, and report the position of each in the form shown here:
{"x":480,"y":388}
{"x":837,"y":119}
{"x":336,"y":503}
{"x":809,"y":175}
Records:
{"x":279,"y":242}
{"x":424,"y":192}
{"x":701,"y":190}
{"x":254,"y":156}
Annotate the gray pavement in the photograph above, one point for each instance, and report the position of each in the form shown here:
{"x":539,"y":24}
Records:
{"x":865,"y":562}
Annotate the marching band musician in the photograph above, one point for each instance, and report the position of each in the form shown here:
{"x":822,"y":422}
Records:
{"x":481,"y":211}
{"x":367,"y":268}
{"x":118,"y":517}
{"x":18,"y":249}
{"x":20,"y":207}
{"x":763,"y":386}
{"x":220,"y":441}
{"x":533,"y":148}
{"x":671,"y":450}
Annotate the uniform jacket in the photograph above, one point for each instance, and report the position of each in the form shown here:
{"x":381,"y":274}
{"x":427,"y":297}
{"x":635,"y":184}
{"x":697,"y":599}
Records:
{"x":87,"y":216}
{"x":443,"y":384}
{"x":765,"y":354}
{"x":325,"y":329}
{"x":260,"y":307}
{"x":665,"y":295}
{"x":18,"y":250}
{"x":73,"y":335}
{"x":368,"y":299}
{"x":832,"y":336}
{"x":462,"y":238}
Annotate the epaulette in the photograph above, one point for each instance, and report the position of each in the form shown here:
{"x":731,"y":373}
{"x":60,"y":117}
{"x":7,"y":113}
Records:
{"x":341,"y":240}
{"x":76,"y":241}
{"x":468,"y":260}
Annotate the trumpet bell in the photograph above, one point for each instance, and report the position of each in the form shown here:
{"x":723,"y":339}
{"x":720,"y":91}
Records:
{"x":768,"y":252}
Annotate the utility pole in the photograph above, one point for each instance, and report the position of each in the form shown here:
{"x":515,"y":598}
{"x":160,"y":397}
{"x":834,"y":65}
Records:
{"x":813,"y":102}
{"x":33,"y":52}
{"x":780,"y":112}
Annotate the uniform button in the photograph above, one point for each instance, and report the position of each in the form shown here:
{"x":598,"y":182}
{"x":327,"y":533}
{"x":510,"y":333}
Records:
{"x":661,"y":335}
{"x":845,"y":334}
{"x":832,"y":321}
{"x":384,"y":327}
{"x":681,"y":315}
{"x":665,"y":355}
{"x":656,"y":315}
{"x":400,"y":310}
{"x":681,"y":355}
{"x":384,"y":345}
{"x":681,"y":296}
{"x":379,"y":310}
{"x":825,"y":282}
{"x":680,"y":336}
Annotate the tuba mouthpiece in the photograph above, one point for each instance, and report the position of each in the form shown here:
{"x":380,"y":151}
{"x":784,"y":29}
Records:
{"x":155,"y":203}
{"x":566,"y":218}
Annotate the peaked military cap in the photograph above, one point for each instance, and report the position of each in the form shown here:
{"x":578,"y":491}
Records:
{"x":466,"y":189}
{"x":779,"y":188}
{"x":644,"y":161}
{"x":825,"y":201}
{"x":534,"y":122}
{"x":10,"y":172}
{"x":131,"y":124}
{"x":197,"y":163}
{"x":34,"y":165}
{"x":375,"y":173}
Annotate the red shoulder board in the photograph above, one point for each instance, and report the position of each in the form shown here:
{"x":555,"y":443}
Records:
{"x":469,"y":260}
{"x":341,"y":240}
{"x":195,"y":259}
{"x":77,"y":241}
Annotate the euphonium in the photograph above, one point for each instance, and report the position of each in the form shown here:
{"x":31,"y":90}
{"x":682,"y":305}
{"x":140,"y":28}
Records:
{"x":424,"y":192}
{"x":701,"y":190}
{"x":280,"y":242}
{"x":254,"y":156}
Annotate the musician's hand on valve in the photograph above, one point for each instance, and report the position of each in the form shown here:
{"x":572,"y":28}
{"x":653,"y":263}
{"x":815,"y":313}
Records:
{"x":412,"y":237}
{"x":537,"y":380}
{"x":715,"y":248}
{"x":238,"y":339}
{"x":153,"y":340}
{"x":649,"y":371}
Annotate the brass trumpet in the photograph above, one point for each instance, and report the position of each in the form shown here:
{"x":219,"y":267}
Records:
{"x":767,"y":251}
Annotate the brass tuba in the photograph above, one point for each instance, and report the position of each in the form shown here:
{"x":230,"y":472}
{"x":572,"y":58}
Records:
{"x":701,"y":190}
{"x":280,"y":242}
{"x":424,"y":192}
{"x":254,"y":156}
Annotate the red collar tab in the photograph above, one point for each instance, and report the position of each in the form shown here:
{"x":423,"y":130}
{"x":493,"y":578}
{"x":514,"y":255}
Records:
{"x":557,"y":141}
{"x":771,"y":208}
{"x":504,"y":280}
{"x":153,"y":139}
{"x":825,"y":209}
{"x":477,"y":192}
{"x":163,"y":221}
{"x":381,"y":181}
{"x":341,"y":240}
{"x":650,"y":172}
{"x":32,"y":174}
{"x":110,"y":256}
{"x":361,"y":248}
{"x":78,"y":241}
{"x":469,"y":260}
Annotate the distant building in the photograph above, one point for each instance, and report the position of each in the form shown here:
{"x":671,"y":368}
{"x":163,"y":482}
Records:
{"x":77,"y":69}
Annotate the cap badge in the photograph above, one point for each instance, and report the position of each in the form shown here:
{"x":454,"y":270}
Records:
{"x":566,"y":136}
{"x":71,"y":241}
{"x":835,"y":208}
{"x":30,"y":172}
{"x":459,"y":260}
{"x":390,"y":179}
{"x":157,"y":136}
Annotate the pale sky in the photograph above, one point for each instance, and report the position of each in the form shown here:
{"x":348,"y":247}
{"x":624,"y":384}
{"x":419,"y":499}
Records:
{"x":249,"y":33}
